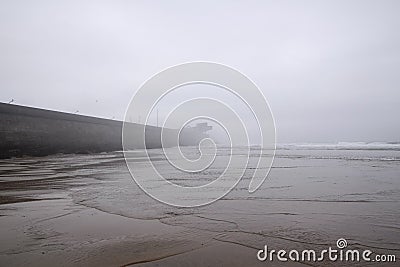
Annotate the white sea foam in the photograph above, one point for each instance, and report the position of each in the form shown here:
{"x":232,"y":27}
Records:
{"x":342,"y":146}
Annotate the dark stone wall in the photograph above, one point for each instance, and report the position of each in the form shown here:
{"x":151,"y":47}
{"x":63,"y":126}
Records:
{"x":39,"y":132}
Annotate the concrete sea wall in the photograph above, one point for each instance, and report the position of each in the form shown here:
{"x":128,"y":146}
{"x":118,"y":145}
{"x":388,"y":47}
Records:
{"x":39,"y":132}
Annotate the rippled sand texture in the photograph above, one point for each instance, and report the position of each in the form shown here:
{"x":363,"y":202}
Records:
{"x":86,"y":210}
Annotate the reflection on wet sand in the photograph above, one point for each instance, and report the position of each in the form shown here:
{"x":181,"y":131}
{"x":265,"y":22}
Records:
{"x":86,"y":210}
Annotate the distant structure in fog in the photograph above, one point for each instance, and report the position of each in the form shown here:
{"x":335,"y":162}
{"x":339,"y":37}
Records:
{"x":193,"y":135}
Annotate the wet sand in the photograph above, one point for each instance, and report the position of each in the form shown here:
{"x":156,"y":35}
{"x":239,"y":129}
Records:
{"x":85,"y":210}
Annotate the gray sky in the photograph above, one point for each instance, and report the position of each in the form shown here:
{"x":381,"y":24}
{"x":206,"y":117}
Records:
{"x":329,"y":69}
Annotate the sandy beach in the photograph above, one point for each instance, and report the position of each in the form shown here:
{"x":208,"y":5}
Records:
{"x":85,"y":210}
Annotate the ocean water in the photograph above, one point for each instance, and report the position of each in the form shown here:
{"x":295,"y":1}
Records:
{"x":314,"y":194}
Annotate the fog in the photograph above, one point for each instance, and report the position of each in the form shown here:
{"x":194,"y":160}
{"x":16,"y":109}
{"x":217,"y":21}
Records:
{"x":329,"y":69}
